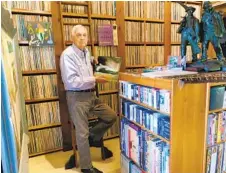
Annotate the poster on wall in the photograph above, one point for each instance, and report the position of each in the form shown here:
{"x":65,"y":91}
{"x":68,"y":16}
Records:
{"x":39,"y":33}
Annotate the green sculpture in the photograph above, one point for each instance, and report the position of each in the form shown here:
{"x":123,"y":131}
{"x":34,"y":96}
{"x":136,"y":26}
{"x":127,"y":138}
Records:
{"x":189,"y":30}
{"x":213,"y":29}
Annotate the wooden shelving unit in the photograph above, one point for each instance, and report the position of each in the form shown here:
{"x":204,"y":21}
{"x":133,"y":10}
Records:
{"x":39,"y":72}
{"x":75,"y":3}
{"x":175,"y":43}
{"x":35,"y":73}
{"x":44,"y":126}
{"x":217,"y":110}
{"x":175,"y":22}
{"x":108,"y":92}
{"x":66,"y":14}
{"x":28,"y":12}
{"x":188,"y":129}
{"x":74,"y":23}
{"x":143,"y":19}
{"x":142,"y":66}
{"x":31,"y":101}
{"x":96,"y":16}
{"x":146,"y":21}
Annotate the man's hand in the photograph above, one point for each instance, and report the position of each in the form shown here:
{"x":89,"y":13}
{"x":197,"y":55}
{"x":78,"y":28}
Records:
{"x":100,"y":79}
{"x":95,"y":61}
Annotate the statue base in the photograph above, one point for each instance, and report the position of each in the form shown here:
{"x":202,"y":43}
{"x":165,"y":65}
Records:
{"x":207,"y":66}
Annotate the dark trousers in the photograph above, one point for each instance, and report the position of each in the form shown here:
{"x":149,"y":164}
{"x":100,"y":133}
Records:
{"x":83,"y":105}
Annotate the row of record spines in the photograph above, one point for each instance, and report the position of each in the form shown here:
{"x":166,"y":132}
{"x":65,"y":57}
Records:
{"x":45,"y":140}
{"x":37,"y":58}
{"x":154,"y":10}
{"x":42,"y":113}
{"x":144,"y":55}
{"x":40,"y":86}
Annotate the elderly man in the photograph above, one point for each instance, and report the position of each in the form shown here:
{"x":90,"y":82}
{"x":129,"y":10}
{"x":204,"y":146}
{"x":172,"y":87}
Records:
{"x":79,"y":83}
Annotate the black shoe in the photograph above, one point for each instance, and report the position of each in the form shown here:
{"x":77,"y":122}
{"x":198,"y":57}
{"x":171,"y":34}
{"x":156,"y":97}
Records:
{"x":97,"y":144}
{"x":106,"y":153}
{"x":70,"y":163}
{"x":92,"y":170}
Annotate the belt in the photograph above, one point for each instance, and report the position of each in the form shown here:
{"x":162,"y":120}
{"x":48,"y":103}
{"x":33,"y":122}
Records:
{"x":88,"y":90}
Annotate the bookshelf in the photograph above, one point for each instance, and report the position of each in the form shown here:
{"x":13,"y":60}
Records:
{"x":39,"y":81}
{"x":149,"y":22}
{"x":189,"y":124}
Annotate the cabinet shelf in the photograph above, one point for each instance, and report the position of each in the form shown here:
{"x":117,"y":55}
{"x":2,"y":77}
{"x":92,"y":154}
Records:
{"x":67,"y":14}
{"x":175,"y":43}
{"x":142,"y":127}
{"x":175,"y":22}
{"x":32,"y":101}
{"x":30,"y":12}
{"x":136,"y":66}
{"x":146,"y":81}
{"x":98,"y":16}
{"x":134,"y":43}
{"x":144,"y":105}
{"x":154,"y":43}
{"x":68,"y":43}
{"x":76,"y":23}
{"x":144,"y":43}
{"x":74,"y":3}
{"x":191,"y":2}
{"x":155,"y":20}
{"x":217,"y":110}
{"x":108,"y":92}
{"x":137,"y":19}
{"x":142,"y":66}
{"x":218,"y":143}
{"x":45,"y":126}
{"x":217,"y":84}
{"x":38,"y":72}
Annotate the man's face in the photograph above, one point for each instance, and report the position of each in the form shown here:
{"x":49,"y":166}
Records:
{"x":80,"y":38}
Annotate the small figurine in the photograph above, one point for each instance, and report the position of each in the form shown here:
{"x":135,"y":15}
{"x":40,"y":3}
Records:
{"x":189,"y":29}
{"x":213,"y":29}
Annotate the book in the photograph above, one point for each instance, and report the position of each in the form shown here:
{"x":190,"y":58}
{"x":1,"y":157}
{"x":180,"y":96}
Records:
{"x":108,"y":67}
{"x":107,"y":35}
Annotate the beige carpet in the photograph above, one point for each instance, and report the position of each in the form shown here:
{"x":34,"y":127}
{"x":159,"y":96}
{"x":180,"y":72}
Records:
{"x":54,"y":162}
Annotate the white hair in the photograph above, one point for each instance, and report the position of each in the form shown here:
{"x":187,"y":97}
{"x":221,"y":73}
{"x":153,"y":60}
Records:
{"x":75,"y":29}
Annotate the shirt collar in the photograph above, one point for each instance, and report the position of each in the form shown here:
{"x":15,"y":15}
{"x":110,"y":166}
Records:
{"x":78,"y":51}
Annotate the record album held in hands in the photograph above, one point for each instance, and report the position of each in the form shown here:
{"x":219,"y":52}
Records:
{"x":108,"y":67}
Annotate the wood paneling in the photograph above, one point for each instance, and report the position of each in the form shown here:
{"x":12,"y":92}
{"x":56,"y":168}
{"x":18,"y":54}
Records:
{"x":58,"y":40}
